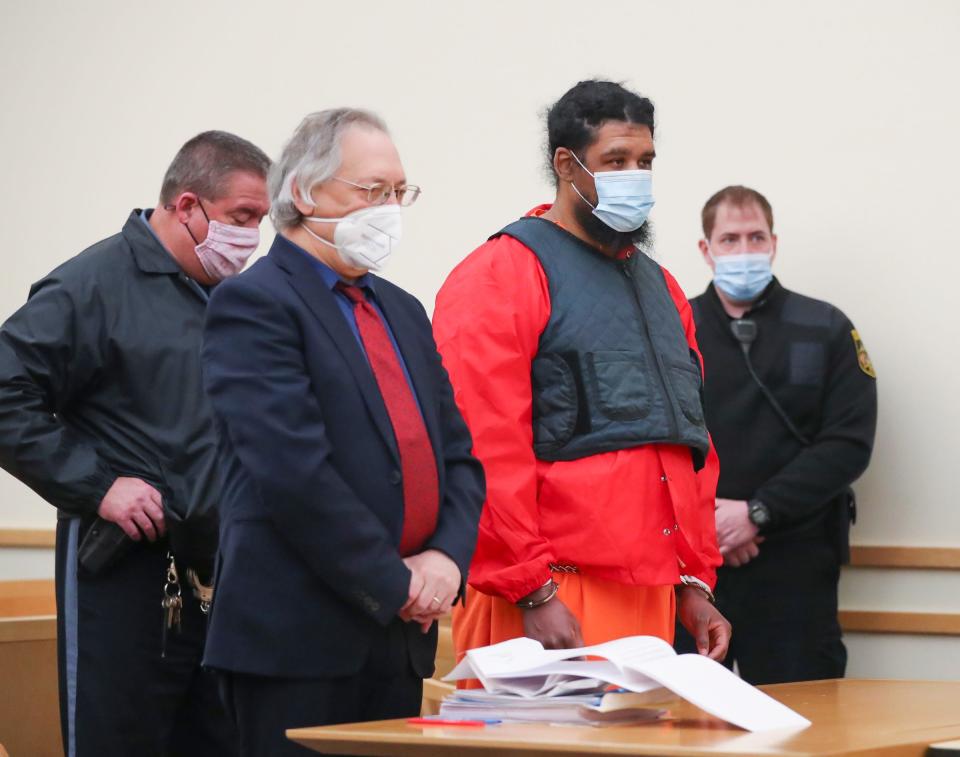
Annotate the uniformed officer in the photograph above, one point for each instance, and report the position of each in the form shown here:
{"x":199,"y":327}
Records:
{"x":103,"y":414}
{"x":791,"y":403}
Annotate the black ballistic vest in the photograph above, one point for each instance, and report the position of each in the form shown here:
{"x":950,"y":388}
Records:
{"x":613,"y":369}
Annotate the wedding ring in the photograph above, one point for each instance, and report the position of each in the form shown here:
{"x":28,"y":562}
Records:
{"x":437,"y":600}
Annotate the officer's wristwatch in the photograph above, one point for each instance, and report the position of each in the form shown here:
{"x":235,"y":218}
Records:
{"x":758,"y":513}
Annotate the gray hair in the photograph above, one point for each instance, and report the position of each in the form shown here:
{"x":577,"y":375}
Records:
{"x":203,"y":164}
{"x":310,"y":157}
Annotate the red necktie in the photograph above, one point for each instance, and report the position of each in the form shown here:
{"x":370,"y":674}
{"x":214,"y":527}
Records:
{"x":421,"y":490}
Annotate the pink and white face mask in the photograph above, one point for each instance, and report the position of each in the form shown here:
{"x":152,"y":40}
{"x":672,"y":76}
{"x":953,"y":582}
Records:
{"x":226,"y":249}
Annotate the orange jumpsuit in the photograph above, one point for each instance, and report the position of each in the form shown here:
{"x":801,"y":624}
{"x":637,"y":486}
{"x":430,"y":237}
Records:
{"x":629,"y":521}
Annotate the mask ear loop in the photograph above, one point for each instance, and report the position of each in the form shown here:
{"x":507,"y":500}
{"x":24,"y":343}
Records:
{"x":315,"y":235}
{"x":316,"y":219}
{"x":572,"y":184}
{"x":184,"y":224}
{"x":203,"y":210}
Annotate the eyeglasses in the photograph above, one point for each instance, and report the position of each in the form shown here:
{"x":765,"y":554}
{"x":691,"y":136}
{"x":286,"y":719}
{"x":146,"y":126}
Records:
{"x":379,"y":193}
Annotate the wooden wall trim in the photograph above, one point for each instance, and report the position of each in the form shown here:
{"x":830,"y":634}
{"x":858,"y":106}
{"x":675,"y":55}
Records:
{"x":877,"y":556}
{"x":871,"y":621}
{"x":27,"y":598}
{"x":30,"y":538}
{"x":861,"y":555}
{"x":36,"y":628}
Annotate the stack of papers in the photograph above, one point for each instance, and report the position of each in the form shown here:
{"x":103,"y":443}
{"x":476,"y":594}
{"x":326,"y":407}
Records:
{"x":521,"y":669}
{"x":610,"y":708}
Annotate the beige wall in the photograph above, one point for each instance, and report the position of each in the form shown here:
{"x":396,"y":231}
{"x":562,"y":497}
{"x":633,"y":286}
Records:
{"x":843,"y":113}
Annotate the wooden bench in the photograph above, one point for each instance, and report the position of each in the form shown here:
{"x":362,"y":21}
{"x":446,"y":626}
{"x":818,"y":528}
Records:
{"x":29,"y":715}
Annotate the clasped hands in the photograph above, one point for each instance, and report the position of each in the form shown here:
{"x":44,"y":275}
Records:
{"x":434,"y":585}
{"x":737,"y":536}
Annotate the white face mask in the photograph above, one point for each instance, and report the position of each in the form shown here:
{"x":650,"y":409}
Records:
{"x":365,"y":238}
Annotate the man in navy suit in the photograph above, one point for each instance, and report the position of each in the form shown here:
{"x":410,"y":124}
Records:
{"x":351,"y":499}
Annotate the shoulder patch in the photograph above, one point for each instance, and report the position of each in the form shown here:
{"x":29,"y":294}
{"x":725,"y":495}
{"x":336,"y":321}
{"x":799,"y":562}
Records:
{"x":862,"y":357}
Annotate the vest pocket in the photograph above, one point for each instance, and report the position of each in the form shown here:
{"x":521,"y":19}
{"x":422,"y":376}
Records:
{"x":555,"y":402}
{"x":619,"y":382}
{"x":686,"y":387}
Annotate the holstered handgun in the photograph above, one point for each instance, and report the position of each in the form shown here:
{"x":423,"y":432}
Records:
{"x":102,"y":546}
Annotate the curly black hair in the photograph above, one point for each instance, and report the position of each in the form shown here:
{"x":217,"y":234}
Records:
{"x":572,"y":120}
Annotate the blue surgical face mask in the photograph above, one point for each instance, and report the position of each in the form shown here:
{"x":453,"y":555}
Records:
{"x":742,"y":276}
{"x":624,"y":198}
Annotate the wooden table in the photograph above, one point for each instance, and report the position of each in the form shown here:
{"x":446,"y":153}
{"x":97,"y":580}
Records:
{"x":850,"y":717}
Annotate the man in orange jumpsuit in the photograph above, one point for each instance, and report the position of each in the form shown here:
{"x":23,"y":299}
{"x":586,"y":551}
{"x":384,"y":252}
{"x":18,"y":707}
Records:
{"x":573,"y":359}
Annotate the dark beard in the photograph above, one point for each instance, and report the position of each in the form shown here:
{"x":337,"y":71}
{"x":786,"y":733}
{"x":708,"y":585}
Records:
{"x":611,"y":239}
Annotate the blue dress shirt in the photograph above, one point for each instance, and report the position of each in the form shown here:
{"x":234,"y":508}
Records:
{"x":366,"y":284}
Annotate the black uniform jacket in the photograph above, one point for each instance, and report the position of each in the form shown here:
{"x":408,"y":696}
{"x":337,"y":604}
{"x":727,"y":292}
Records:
{"x":810,"y":357}
{"x":313,"y":507}
{"x":100,"y":377}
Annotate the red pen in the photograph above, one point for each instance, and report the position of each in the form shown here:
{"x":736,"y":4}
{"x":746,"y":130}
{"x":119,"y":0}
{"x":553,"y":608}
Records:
{"x":461,"y":723}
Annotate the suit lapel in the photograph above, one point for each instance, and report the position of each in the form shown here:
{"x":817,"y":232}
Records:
{"x":320,"y":300}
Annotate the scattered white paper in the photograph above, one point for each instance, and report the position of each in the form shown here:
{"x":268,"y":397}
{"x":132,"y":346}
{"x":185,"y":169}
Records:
{"x":522,"y":667}
{"x":711,"y":687}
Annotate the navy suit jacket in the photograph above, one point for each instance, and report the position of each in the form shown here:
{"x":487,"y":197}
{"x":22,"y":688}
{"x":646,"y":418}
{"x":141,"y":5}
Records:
{"x":312,"y":505}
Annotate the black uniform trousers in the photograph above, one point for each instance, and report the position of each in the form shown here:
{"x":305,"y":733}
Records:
{"x":118,"y":696}
{"x":783,"y":609}
{"x":263,"y":707}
